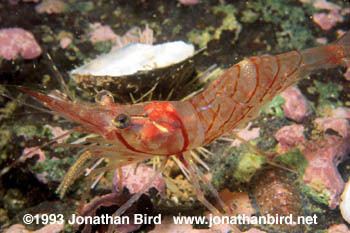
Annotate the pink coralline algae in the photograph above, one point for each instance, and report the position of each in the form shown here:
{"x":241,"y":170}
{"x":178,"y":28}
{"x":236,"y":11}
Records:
{"x":289,"y":137}
{"x":168,"y":226}
{"x":189,"y":2}
{"x":340,"y":228}
{"x":321,"y":174}
{"x":59,"y":133}
{"x":347,"y":72}
{"x":341,"y":112}
{"x":101,"y":33}
{"x":296,"y":106}
{"x":239,"y":202}
{"x":65,"y":42}
{"x":335,"y":14}
{"x":51,"y":7}
{"x":107,"y":200}
{"x":50,"y":228}
{"x":254,"y":230}
{"x":14,"y":2}
{"x":134,"y":180}
{"x":29,"y":152}
{"x":338,"y":121}
{"x":246,"y":134}
{"x":327,"y":21}
{"x":15,"y":42}
{"x":135,"y":35}
{"x":323,"y":155}
{"x":340,"y":125}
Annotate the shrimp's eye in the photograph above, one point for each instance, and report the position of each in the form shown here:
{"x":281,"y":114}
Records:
{"x":122,"y":121}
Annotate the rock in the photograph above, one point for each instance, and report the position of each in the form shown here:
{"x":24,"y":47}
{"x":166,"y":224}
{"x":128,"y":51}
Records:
{"x":275,"y":194}
{"x":296,"y":106}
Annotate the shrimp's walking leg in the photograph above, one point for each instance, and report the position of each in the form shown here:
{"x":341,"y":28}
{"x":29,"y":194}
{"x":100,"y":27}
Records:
{"x":200,"y":195}
{"x":137,"y":195}
{"x":73,"y":173}
{"x":197,"y":172}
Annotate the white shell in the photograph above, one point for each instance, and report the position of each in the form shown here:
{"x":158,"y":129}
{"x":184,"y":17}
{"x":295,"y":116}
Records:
{"x":136,"y":57}
{"x":345,"y":203}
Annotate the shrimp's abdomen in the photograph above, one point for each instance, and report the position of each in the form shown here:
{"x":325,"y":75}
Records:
{"x":238,"y":94}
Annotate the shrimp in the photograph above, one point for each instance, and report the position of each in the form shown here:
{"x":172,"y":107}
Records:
{"x":135,"y":132}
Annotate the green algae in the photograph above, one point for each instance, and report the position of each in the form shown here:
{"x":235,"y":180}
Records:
{"x":83,"y":6}
{"x":103,"y":47}
{"x":54,"y":169}
{"x":329,"y":93}
{"x":229,"y":23}
{"x":289,"y":20}
{"x":30,"y":131}
{"x":239,"y":166}
{"x":294,"y":159}
{"x":320,"y":195}
{"x":248,"y":164}
{"x":274,"y":107}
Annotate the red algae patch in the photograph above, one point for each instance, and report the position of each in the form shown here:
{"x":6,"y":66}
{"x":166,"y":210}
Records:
{"x":17,"y":42}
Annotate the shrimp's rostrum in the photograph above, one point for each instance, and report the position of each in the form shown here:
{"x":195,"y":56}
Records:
{"x":173,"y":127}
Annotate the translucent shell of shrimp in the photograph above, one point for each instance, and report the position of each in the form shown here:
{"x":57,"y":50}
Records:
{"x":130,"y":133}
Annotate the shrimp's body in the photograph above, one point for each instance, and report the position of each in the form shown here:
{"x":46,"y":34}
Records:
{"x":132,"y":132}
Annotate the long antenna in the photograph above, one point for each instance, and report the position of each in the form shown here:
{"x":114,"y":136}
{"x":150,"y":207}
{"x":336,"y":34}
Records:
{"x":59,"y":76}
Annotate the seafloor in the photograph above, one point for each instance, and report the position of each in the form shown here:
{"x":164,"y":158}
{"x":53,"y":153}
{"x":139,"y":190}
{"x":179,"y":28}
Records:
{"x":230,"y":31}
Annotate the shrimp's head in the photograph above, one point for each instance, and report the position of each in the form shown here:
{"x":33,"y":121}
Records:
{"x":152,"y":128}
{"x":149,"y":128}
